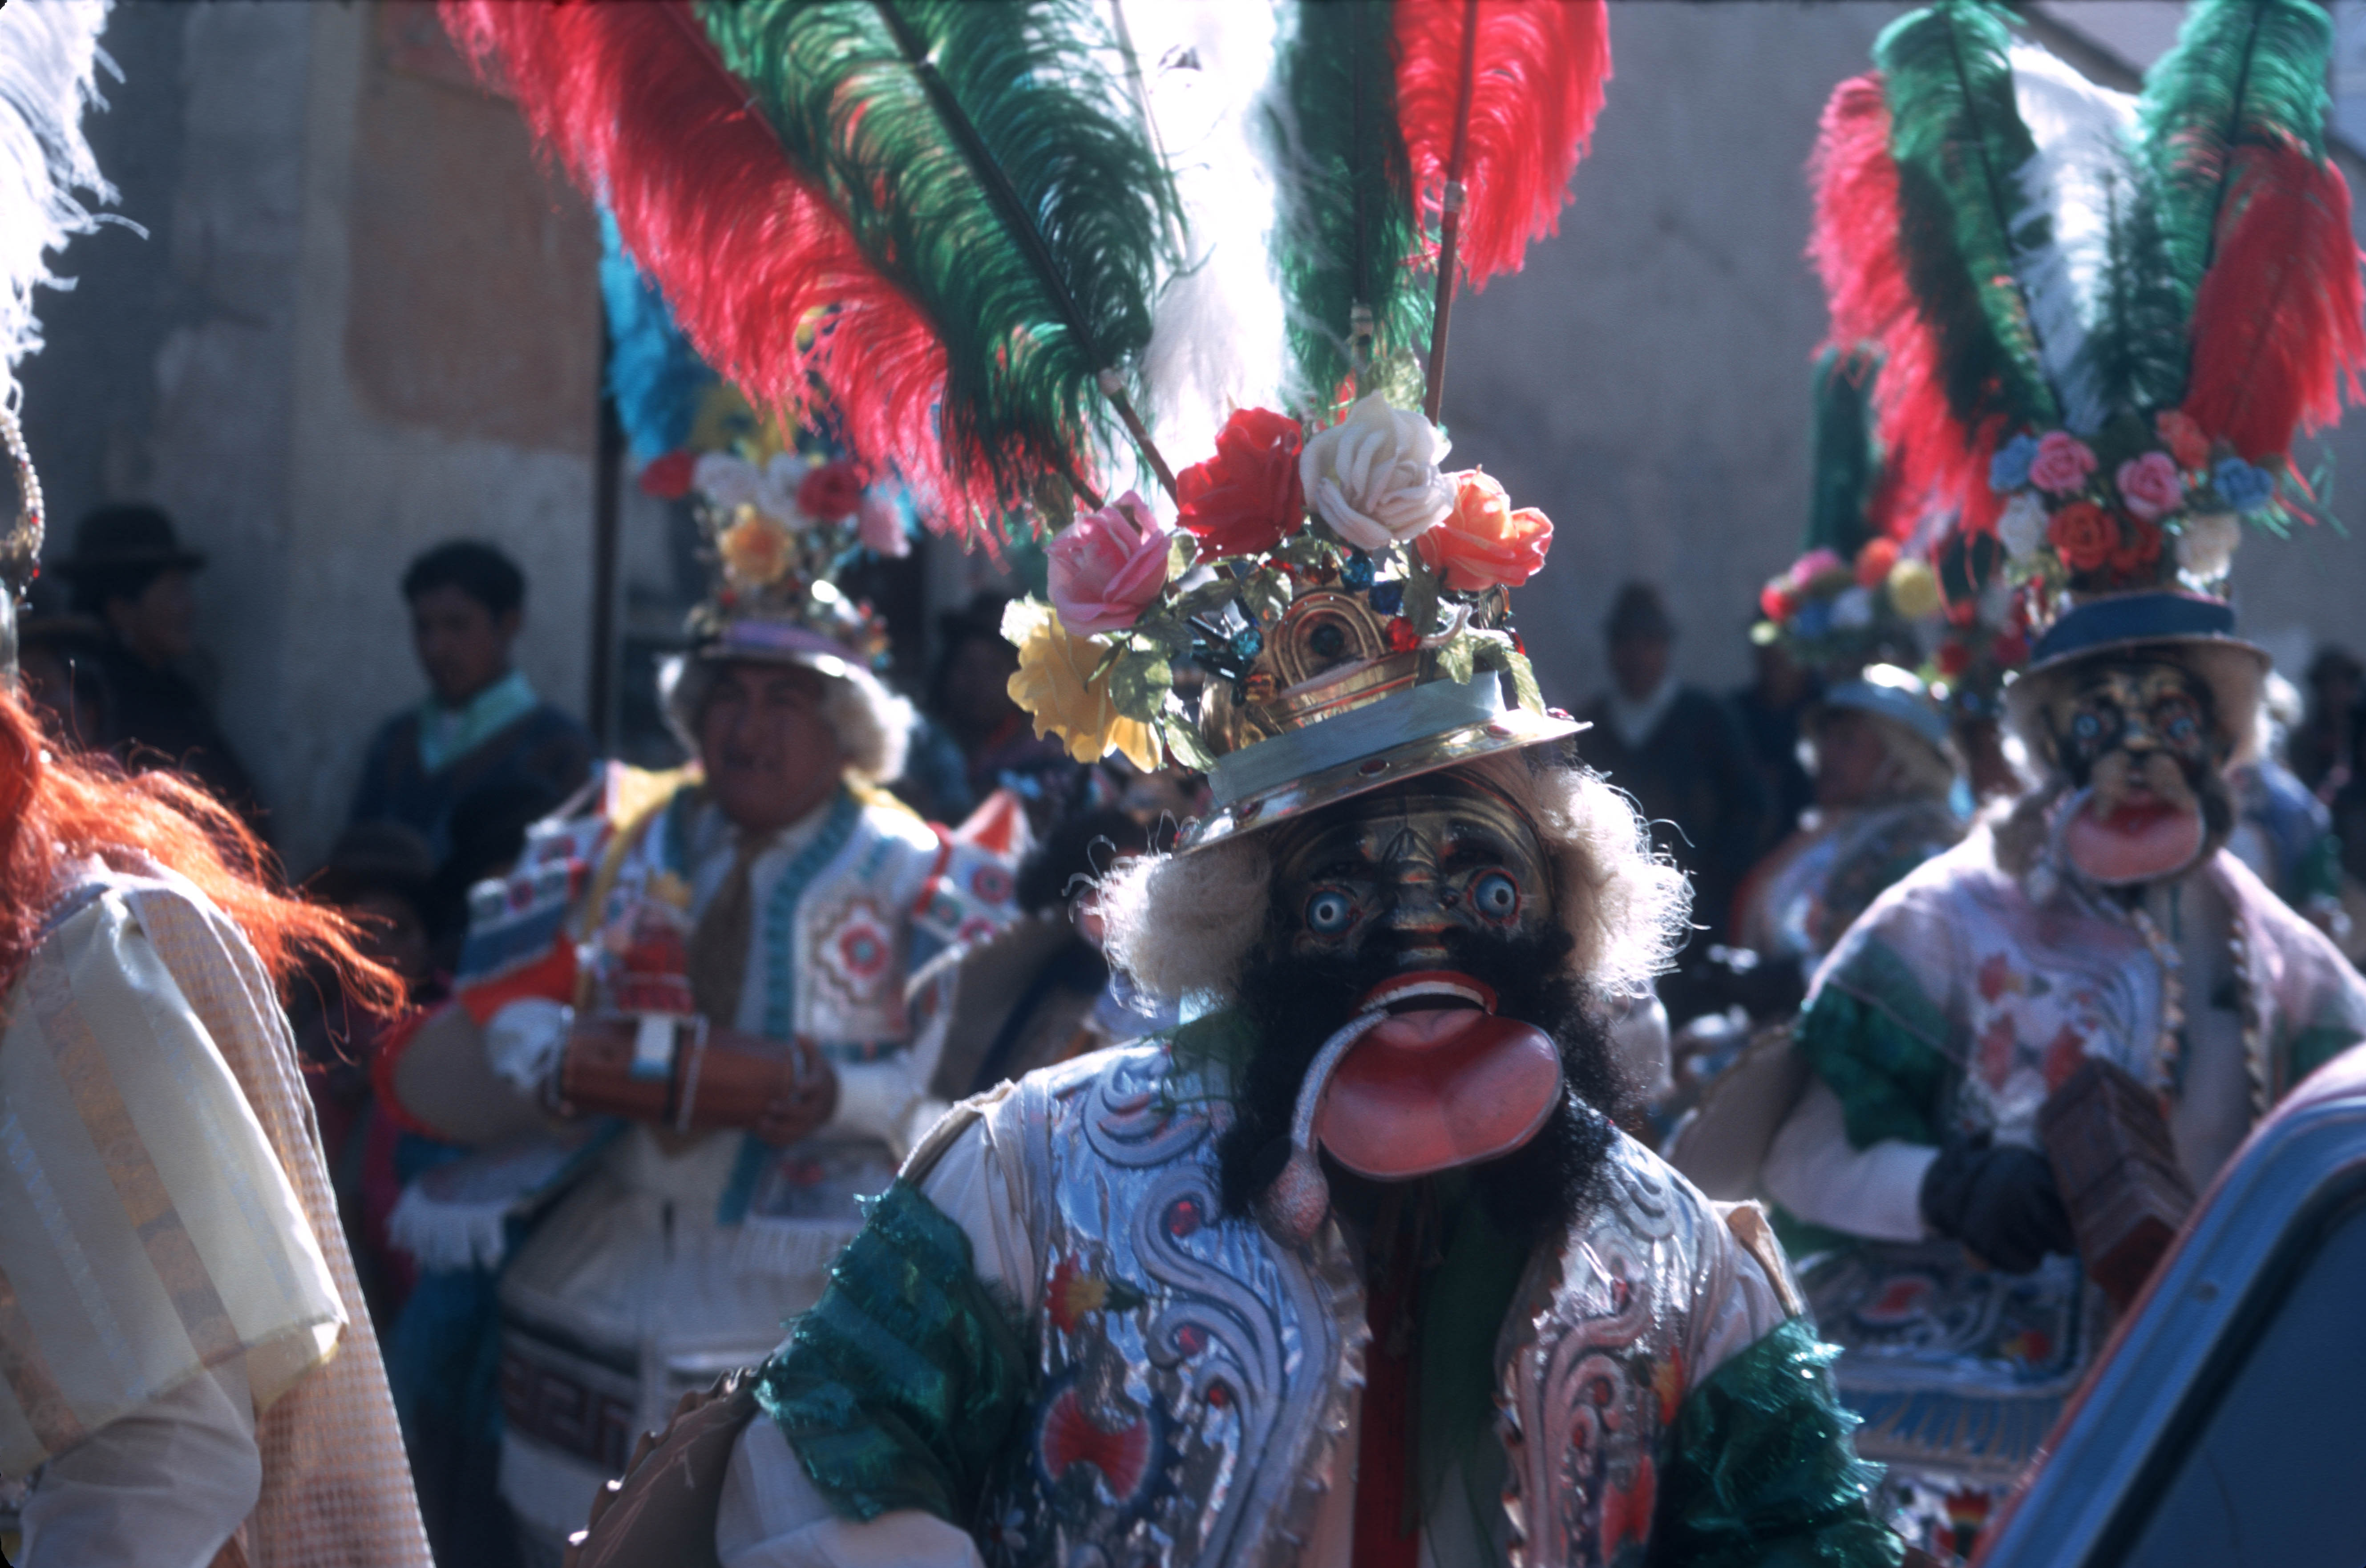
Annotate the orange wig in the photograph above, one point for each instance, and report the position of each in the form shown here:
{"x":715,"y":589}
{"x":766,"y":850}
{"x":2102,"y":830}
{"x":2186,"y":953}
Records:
{"x":57,"y":808}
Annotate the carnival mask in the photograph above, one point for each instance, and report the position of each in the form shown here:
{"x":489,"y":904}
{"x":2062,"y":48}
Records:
{"x":2138,"y":740}
{"x":1426,"y":1077}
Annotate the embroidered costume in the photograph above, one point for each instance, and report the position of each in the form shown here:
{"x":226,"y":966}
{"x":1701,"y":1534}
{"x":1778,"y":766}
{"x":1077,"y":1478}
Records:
{"x":1113,"y":1313}
{"x":2029,"y":1054}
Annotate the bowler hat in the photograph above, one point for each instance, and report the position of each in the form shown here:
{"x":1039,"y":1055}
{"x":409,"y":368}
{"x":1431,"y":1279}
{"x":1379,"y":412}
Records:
{"x":126,"y":535}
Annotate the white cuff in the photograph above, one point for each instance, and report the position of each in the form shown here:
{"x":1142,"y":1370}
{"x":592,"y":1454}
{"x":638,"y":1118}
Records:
{"x":1813,"y":1170}
{"x":526,"y":1039}
{"x":875,"y":1098}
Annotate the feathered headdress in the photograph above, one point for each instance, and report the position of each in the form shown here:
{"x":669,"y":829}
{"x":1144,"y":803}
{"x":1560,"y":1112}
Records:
{"x":49,"y":61}
{"x":982,"y":237}
{"x":2103,"y":320}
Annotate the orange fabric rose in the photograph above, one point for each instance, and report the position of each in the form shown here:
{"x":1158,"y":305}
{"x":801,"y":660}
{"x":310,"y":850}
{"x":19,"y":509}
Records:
{"x":2082,"y":535}
{"x":1873,"y":561}
{"x":1483,"y":543}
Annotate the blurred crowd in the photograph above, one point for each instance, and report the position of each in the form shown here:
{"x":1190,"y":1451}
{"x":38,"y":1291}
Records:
{"x":1790,"y":803}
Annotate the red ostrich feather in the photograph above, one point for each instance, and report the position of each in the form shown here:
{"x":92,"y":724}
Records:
{"x":1540,"y":68}
{"x":760,"y":270}
{"x":1855,"y":245}
{"x":2280,"y":320}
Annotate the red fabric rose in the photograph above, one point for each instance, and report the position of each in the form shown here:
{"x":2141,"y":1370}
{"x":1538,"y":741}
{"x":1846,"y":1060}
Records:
{"x":1483,"y":543}
{"x":1245,"y":498}
{"x":1774,"y":602}
{"x":1873,"y":561}
{"x":831,"y":491}
{"x":1954,"y":658}
{"x":2184,"y":438}
{"x":2082,"y":535}
{"x":667,"y":477}
{"x":2138,"y":549}
{"x":2010,"y":649}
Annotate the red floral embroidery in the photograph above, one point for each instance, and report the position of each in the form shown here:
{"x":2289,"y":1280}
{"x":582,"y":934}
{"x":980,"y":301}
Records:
{"x":1997,"y":1050}
{"x":1996,"y":976}
{"x":2063,"y":1055}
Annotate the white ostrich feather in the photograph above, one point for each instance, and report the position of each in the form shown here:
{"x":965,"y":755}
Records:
{"x":1218,"y":339}
{"x":49,"y":59}
{"x":2080,"y":172}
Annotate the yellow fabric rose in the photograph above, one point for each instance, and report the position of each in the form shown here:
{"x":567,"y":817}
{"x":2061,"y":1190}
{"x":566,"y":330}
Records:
{"x":1056,"y":685}
{"x":1914,"y":589}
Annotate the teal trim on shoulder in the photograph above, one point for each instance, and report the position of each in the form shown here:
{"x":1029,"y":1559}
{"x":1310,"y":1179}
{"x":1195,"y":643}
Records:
{"x":908,"y":1379}
{"x":780,"y":935}
{"x":1874,"y":1038}
{"x":1761,"y":1470}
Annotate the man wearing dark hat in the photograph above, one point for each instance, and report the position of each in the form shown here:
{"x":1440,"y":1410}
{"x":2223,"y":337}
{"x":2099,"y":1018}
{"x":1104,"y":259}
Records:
{"x":130,"y":570}
{"x":1680,"y":753}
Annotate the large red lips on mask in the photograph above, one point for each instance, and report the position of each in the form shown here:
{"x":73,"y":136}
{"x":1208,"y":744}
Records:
{"x":2139,"y":840}
{"x":1436,"y":1087}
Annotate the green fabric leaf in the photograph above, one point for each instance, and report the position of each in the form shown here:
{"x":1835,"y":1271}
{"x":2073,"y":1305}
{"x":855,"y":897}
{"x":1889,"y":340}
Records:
{"x":1956,"y":135}
{"x":1875,"y":1039}
{"x":2243,"y":72}
{"x":1419,"y":607}
{"x":1183,"y":742}
{"x":1761,"y":1471}
{"x":1020,"y":206}
{"x":1346,"y":223}
{"x":1139,"y":684}
{"x":1458,"y":658}
{"x":907,"y":1382}
{"x":1845,"y":457}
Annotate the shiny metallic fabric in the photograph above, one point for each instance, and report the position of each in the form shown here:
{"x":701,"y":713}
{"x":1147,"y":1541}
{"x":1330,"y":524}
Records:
{"x":1197,"y":1378}
{"x":1331,"y":710}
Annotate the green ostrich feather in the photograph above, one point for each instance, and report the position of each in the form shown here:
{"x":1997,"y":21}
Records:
{"x":1957,"y":138}
{"x":990,"y":164}
{"x":2139,"y":346}
{"x":1846,"y":456}
{"x":2243,"y":72}
{"x":1347,"y":224}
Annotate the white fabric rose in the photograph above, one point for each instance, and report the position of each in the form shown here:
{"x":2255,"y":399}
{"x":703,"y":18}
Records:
{"x":2205,"y":544}
{"x":2022,"y":529}
{"x":776,"y":492}
{"x":726,"y":480}
{"x":1374,"y":475}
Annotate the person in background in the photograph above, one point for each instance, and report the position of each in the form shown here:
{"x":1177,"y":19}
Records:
{"x":976,"y":739}
{"x":1772,"y":708}
{"x":2324,"y":747}
{"x":1038,"y":992}
{"x":1681,"y":753}
{"x":2283,"y":832}
{"x":481,"y":723}
{"x":129,"y":572}
{"x":58,"y":659}
{"x":378,"y":876}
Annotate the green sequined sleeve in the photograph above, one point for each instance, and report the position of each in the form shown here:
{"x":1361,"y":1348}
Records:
{"x":1872,"y":1035}
{"x":904,"y":1383}
{"x":1761,"y":1472}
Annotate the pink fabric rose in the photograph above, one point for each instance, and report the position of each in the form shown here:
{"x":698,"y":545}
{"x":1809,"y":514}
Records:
{"x":2149,"y":486}
{"x":2062,"y":464}
{"x":880,"y":525}
{"x":1108,"y":565}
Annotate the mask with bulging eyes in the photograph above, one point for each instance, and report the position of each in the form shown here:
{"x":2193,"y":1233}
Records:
{"x":2138,"y":740}
{"x":1426,"y":1077}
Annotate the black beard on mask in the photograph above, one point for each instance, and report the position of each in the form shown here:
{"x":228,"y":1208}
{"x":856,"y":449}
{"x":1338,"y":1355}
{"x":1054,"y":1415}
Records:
{"x":1540,"y":1188}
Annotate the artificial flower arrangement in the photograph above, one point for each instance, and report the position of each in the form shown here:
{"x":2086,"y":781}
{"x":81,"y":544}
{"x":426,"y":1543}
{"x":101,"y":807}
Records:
{"x":1362,"y":507}
{"x":783,"y":521}
{"x":1836,"y":614}
{"x":2139,"y":501}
